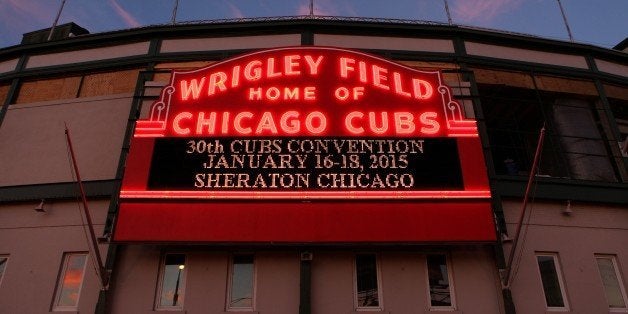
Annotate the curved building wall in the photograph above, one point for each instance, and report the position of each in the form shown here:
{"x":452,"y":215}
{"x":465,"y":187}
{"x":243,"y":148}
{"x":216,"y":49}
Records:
{"x":100,"y":84}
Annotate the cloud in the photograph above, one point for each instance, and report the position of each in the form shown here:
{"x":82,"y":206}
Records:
{"x":235,"y":11}
{"x":124,"y":14}
{"x":485,"y":11}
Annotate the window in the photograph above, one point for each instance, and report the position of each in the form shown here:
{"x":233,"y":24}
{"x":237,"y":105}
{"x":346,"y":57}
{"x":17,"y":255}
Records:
{"x":70,"y":282}
{"x":579,"y":142}
{"x":367,"y":282}
{"x":4,"y":259}
{"x":551,"y":279}
{"x":172,"y":282}
{"x":613,"y":285}
{"x":439,"y":281}
{"x":241,"y":283}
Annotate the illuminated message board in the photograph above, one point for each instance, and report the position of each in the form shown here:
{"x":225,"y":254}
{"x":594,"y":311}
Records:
{"x":300,"y":123}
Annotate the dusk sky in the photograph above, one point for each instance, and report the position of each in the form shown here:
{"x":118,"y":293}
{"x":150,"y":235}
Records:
{"x":598,"y":22}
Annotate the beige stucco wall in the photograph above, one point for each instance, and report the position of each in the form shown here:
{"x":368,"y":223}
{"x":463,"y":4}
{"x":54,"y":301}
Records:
{"x":589,"y":230}
{"x":404,"y":286}
{"x":35,"y":243}
{"x":388,"y":43}
{"x":33,"y":147}
{"x":85,"y":55}
{"x":509,"y":53}
{"x":226,"y":43}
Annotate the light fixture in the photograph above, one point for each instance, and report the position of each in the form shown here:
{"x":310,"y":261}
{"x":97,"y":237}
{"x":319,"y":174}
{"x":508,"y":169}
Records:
{"x":181,"y":267}
{"x":40,"y":207}
{"x":567,"y":209}
{"x":506,"y":238}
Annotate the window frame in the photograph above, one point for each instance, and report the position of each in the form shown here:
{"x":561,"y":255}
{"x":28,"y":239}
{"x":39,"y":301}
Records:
{"x":6,"y":257}
{"x":59,"y":285}
{"x":618,"y":276}
{"x":380,"y":294}
{"x":450,"y":278}
{"x":230,"y":270}
{"x":561,"y":281}
{"x":160,"y":279}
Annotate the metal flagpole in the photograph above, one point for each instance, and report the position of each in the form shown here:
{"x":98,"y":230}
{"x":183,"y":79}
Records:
{"x":174,"y":12}
{"x":447,"y":11}
{"x":535,"y":163}
{"x":54,"y":24}
{"x":104,"y":277}
{"x":562,"y":12}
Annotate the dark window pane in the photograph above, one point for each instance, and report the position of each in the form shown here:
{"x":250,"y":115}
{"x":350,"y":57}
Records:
{"x":440,"y":294}
{"x":242,"y":282}
{"x":610,"y":280}
{"x":366,"y":269}
{"x":549,"y":278}
{"x":71,"y":280}
{"x":172,"y":281}
{"x":3,"y":264}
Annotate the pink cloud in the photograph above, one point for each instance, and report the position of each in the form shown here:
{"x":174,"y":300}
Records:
{"x":235,"y":11}
{"x":124,"y":14}
{"x":28,"y":15}
{"x":482,"y":10}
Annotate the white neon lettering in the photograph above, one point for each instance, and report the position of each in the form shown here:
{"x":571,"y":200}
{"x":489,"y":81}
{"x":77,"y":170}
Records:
{"x":404,"y":122}
{"x":313,"y":64}
{"x":253,"y":70}
{"x":255,"y":93}
{"x":398,"y":88}
{"x":341,"y":93}
{"x":379,"y":76}
{"x":237,"y":122}
{"x":194,"y":88}
{"x":422,"y":89}
{"x":273,"y":93}
{"x":235,"y":77}
{"x":217,"y":79}
{"x":362,"y":67}
{"x":270,"y":68}
{"x":176,"y":123}
{"x":349,"y":122}
{"x":290,"y":63}
{"x":345,"y":66}
{"x":291,"y":94}
{"x":266,"y":123}
{"x":289,"y":122}
{"x":383,"y":127}
{"x":210,"y":123}
{"x":309,"y":93}
{"x":225,"y":122}
{"x":428,"y":118}
{"x":322,"y":122}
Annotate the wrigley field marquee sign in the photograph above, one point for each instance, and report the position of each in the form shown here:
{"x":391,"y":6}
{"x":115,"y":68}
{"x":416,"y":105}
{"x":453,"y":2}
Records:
{"x":304,"y":123}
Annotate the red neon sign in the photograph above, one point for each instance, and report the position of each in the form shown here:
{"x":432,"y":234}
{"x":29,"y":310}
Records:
{"x":311,"y":91}
{"x":323,"y":125}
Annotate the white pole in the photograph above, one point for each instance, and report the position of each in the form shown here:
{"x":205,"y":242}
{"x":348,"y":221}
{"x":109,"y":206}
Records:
{"x":174,"y":12}
{"x":54,"y":24}
{"x":447,"y":11}
{"x":562,"y":12}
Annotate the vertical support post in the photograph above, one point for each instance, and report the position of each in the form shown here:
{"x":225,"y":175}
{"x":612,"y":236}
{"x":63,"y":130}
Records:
{"x":305,"y":286}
